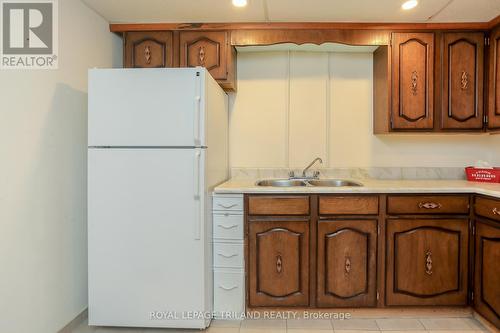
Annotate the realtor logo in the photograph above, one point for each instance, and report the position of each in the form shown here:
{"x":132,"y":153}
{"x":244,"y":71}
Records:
{"x":29,"y":34}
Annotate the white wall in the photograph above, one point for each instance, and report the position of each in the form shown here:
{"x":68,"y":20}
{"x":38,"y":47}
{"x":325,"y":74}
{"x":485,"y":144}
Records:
{"x":43,"y":134}
{"x":293,"y":106}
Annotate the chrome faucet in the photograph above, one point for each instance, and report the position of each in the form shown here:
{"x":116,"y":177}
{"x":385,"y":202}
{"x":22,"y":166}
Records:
{"x":316,"y":174}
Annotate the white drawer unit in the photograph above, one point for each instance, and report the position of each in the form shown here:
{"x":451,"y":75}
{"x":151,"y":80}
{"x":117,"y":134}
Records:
{"x":229,"y":291}
{"x":228,"y":203}
{"x":228,"y":255}
{"x":228,"y":226}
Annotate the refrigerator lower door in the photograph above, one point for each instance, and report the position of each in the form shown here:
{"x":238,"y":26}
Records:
{"x":146,"y":238}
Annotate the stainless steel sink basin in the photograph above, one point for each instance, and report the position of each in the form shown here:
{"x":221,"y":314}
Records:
{"x":307,"y":182}
{"x":281,"y":182}
{"x":333,"y":182}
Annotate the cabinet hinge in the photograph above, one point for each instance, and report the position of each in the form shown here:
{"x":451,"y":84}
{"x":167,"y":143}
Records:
{"x":486,"y":119}
{"x":472,"y":296}
{"x":378,"y":230}
{"x":473,"y":230}
{"x":486,"y":41}
{"x":378,"y":295}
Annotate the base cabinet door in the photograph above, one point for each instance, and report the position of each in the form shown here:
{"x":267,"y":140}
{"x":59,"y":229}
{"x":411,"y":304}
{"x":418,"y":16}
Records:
{"x":487,"y":272}
{"x":463,"y":55}
{"x":278,"y":253}
{"x":427,"y":261}
{"x":412,"y":81}
{"x":347,"y":264}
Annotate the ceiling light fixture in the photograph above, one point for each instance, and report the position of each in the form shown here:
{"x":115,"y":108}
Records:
{"x":407,"y":5}
{"x":239,"y":3}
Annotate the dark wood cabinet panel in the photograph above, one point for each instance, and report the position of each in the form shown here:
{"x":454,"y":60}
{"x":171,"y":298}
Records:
{"x":148,"y":49}
{"x":348,"y":205}
{"x":427,"y":204}
{"x":347,"y":252}
{"x":412,"y":81}
{"x":487,"y":272}
{"x":212,"y":50}
{"x":278,"y":205}
{"x":278,"y":254}
{"x":463,"y":70}
{"x":427,"y":262}
{"x":494,"y":80}
{"x":487,"y":207}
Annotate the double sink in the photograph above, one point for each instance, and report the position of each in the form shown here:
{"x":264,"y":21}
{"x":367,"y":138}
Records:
{"x":307,"y":182}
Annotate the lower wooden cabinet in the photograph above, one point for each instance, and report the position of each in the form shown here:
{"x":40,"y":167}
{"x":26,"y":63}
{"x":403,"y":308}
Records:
{"x":487,"y":271}
{"x":427,"y":261}
{"x":347,"y":263}
{"x":278,"y":259}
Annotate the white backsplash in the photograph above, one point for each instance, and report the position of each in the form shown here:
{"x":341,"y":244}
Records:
{"x":356,"y":173}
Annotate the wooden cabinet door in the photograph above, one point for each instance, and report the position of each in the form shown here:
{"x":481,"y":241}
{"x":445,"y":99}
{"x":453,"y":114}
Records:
{"x":347,"y":263}
{"x":278,"y":254}
{"x":494,"y":81}
{"x":463,"y":68}
{"x":487,"y":272}
{"x":427,"y":262}
{"x":148,"y":49}
{"x":207,"y":49}
{"x":412,"y":81}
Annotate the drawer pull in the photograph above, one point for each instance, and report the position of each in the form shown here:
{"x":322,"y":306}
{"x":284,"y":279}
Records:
{"x":227,"y":288}
{"x":428,"y":262}
{"x":496,"y":211}
{"x":429,"y":205}
{"x":227,"y":207}
{"x":227,"y":226}
{"x":227,"y":256}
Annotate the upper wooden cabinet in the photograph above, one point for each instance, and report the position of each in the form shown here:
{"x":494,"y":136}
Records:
{"x":209,"y":49}
{"x":412,"y":87}
{"x":462,"y":74}
{"x":148,"y":49}
{"x":494,"y":80}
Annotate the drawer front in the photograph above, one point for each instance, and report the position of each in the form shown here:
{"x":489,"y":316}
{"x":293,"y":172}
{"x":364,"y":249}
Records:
{"x":351,"y":205}
{"x":228,"y":203}
{"x":228,"y":226}
{"x":229,"y":291}
{"x":278,"y":205}
{"x":228,"y":255}
{"x":489,"y":208}
{"x":428,"y":204}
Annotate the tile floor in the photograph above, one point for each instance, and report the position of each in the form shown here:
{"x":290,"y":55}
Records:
{"x":390,"y":324}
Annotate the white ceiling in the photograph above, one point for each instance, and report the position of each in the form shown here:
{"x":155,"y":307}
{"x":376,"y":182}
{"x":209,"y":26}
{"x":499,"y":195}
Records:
{"x":183,"y":11}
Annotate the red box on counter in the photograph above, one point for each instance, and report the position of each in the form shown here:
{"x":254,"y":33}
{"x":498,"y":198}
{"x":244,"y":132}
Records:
{"x":487,"y":175}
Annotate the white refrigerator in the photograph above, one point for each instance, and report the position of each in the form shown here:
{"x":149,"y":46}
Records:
{"x":157,"y":145}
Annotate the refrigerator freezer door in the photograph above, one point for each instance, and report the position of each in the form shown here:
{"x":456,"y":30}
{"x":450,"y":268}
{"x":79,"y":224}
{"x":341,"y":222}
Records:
{"x":147,"y":251}
{"x":160,"y":107}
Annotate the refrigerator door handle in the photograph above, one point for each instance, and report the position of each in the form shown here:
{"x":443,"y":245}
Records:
{"x":197,"y":110}
{"x":197,"y":157}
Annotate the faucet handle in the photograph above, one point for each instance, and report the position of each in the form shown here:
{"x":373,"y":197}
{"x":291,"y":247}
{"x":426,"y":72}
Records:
{"x":316,"y":174}
{"x":291,"y":174}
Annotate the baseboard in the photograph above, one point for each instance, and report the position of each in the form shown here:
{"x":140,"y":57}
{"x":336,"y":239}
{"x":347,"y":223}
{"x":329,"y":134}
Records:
{"x":489,"y":326}
{"x":70,"y":327}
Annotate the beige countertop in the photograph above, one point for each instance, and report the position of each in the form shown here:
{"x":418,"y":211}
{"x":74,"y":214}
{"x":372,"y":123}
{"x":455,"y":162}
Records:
{"x":236,"y":186}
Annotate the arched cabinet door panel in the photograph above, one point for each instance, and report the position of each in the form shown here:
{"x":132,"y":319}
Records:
{"x":487,"y":271}
{"x":278,"y":254}
{"x":148,"y":49}
{"x":347,"y":263}
{"x":427,"y":261}
{"x":412,"y":81}
{"x":463,"y":69}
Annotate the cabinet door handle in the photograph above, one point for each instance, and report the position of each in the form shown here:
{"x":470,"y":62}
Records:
{"x":496,"y":211}
{"x":227,"y":256}
{"x":279,"y":264}
{"x":227,"y":207}
{"x":227,"y":226}
{"x":428,"y":262}
{"x":147,"y":54}
{"x":429,"y":205}
{"x":227,"y":288}
{"x":414,"y":83}
{"x":347,"y":265}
